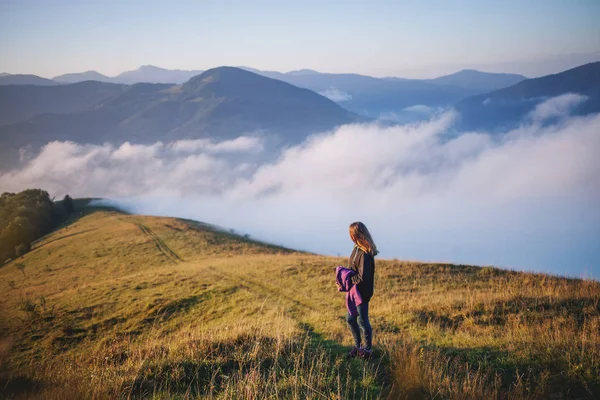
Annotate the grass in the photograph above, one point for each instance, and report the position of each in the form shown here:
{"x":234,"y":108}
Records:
{"x":125,"y":306}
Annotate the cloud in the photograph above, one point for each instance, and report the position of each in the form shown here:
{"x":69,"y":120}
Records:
{"x":336,"y":95}
{"x":527,"y":198}
{"x":420,"y":108}
{"x":240,"y":144}
{"x":181,"y":167}
{"x":128,"y":151}
{"x":556,"y":107}
{"x":410,"y":114}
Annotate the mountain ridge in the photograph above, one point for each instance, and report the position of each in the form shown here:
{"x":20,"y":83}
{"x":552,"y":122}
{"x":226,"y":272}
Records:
{"x":25,"y":79}
{"x":82,"y":76}
{"x":508,"y":106}
{"x":484,"y":81}
{"x":221,"y":103}
{"x":362,"y":94}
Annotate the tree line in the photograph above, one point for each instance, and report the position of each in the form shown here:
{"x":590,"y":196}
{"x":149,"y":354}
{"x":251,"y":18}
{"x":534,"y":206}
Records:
{"x":27,"y":216}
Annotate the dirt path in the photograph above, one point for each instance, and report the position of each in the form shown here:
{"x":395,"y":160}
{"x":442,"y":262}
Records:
{"x":159,"y":243}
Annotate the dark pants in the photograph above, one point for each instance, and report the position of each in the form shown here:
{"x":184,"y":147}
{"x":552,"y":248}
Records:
{"x":361,"y":323}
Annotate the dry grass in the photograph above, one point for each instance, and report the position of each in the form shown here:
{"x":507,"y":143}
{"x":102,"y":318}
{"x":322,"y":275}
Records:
{"x":122,"y":306}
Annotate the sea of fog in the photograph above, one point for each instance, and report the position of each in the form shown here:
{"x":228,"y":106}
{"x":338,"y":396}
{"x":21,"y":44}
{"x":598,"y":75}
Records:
{"x":526,"y":199}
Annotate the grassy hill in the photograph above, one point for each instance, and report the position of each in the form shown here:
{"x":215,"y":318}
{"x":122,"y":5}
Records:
{"x":125,"y":306}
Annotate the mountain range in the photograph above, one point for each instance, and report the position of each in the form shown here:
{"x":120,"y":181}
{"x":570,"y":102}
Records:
{"x":220,"y":103}
{"x":468,"y":79}
{"x":365,"y":95}
{"x":227,"y":102}
{"x":144,"y":74}
{"x":373,"y":97}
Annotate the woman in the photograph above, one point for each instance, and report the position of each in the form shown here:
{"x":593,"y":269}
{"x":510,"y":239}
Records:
{"x":362,"y":261}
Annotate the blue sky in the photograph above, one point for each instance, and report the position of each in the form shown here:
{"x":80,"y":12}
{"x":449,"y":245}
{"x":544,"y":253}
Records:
{"x":402,"y":38}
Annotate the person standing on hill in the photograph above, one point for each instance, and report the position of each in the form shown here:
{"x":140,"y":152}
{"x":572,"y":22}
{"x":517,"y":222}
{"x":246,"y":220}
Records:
{"x":362,"y":261}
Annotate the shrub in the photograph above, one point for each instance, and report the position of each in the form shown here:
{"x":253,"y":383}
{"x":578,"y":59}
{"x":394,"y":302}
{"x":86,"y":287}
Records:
{"x":28,"y":307}
{"x":20,"y":267}
{"x":22,"y":249}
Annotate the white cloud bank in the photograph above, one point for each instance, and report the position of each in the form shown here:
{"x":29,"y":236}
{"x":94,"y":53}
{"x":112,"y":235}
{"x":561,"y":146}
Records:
{"x":527,"y":199}
{"x":556,"y":107}
{"x":411,"y":114}
{"x":336,"y":95}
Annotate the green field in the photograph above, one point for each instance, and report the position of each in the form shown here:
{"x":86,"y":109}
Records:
{"x":113,"y":305}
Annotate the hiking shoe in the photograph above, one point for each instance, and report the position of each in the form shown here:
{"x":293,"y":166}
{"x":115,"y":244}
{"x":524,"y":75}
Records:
{"x":353,"y":353}
{"x":365,"y":353}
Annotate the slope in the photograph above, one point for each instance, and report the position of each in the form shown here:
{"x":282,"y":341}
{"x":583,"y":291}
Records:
{"x":505,"y":108}
{"x":115,"y":305}
{"x":22,"y":102}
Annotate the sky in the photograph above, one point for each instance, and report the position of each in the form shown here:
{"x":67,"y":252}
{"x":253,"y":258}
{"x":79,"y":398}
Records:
{"x":417,"y":39}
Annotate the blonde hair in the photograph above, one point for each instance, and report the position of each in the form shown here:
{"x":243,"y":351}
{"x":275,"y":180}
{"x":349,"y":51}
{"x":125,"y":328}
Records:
{"x":362,"y":238}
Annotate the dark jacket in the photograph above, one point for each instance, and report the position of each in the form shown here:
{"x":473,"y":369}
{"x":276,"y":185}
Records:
{"x":343,"y":277}
{"x":364,"y":265}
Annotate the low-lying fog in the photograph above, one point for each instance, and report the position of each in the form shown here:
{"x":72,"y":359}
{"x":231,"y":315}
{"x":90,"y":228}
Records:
{"x":528,"y":199}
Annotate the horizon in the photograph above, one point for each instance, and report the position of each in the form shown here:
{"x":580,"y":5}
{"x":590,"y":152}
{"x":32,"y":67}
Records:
{"x":593,"y":58}
{"x":49,"y":40}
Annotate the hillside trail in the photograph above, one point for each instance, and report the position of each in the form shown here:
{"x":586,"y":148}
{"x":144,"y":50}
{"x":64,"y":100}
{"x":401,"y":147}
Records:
{"x":160,"y":244}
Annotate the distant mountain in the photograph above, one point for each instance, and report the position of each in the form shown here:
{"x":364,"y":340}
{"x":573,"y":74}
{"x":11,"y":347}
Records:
{"x":220,"y":103}
{"x":374,"y":96}
{"x":226,"y":102}
{"x":505,"y":108}
{"x":4,"y":74}
{"x":362,"y":94}
{"x":22,"y":102}
{"x":152,"y":74}
{"x":477,"y":80}
{"x":81,"y":77}
{"x":303,"y":72}
{"x":20,"y":79}
{"x":144,"y":74}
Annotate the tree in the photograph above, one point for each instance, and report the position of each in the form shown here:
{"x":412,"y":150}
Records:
{"x":68,"y":204}
{"x":24,"y":217}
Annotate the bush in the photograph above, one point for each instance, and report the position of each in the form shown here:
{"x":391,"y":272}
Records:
{"x":22,"y":249}
{"x":20,"y":267}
